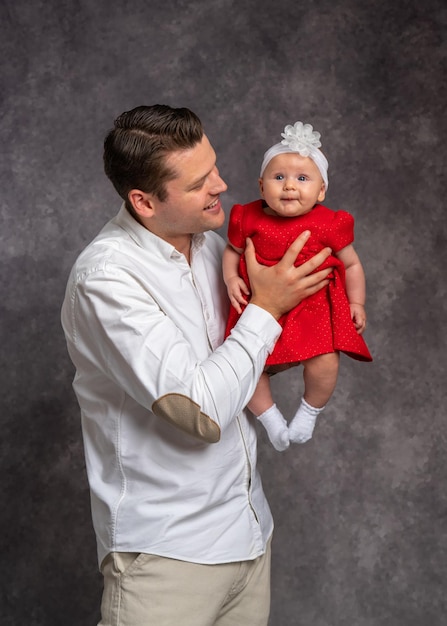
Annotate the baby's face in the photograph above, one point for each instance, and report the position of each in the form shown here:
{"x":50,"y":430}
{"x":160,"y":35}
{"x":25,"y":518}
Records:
{"x":291,"y":185}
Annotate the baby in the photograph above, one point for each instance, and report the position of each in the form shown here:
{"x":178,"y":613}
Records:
{"x":293,"y":182}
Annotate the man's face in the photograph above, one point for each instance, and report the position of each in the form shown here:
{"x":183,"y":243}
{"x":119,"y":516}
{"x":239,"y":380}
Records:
{"x":192,"y":204}
{"x":291,"y":185}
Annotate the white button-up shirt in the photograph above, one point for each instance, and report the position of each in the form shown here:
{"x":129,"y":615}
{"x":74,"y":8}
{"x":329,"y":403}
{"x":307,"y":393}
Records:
{"x":170,"y":451}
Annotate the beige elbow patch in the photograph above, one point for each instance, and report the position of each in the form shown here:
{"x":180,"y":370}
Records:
{"x":182,"y":412}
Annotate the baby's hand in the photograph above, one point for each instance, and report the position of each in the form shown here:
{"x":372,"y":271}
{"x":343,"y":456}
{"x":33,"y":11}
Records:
{"x":236,"y":288}
{"x":358,"y":316}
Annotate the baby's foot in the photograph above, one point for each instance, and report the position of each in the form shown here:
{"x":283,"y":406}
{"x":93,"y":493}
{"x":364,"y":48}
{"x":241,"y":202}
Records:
{"x":276,"y":427}
{"x":302,"y":426}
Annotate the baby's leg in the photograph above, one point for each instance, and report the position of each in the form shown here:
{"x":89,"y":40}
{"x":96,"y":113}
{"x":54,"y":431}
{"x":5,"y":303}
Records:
{"x":269,"y":415}
{"x":320,"y":377}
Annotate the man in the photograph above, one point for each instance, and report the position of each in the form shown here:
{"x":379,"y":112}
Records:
{"x":182,"y":523}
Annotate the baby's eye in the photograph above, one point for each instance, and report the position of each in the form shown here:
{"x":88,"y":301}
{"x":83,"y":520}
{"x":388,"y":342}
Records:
{"x":279,"y":177}
{"x":302,"y":178}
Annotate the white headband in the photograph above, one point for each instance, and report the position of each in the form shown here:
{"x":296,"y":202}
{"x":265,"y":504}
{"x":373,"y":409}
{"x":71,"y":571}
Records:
{"x":301,"y":138}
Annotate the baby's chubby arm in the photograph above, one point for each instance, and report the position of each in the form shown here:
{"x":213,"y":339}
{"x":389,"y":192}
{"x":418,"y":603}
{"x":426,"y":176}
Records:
{"x":236,"y":286}
{"x":355,"y":286}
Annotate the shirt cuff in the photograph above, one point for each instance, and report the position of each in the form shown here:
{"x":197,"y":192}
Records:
{"x":260,"y":322}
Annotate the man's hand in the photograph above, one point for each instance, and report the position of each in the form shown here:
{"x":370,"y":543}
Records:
{"x":281,"y":287}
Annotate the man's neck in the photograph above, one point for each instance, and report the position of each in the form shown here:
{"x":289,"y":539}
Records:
{"x":184,"y":247}
{"x":182,"y":243}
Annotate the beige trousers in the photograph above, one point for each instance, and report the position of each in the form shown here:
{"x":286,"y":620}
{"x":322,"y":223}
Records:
{"x":148,"y":590}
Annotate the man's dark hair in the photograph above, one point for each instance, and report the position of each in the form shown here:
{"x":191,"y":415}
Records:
{"x":135,"y":150}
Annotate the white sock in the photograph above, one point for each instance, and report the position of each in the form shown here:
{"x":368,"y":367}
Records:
{"x":303,"y":424}
{"x":276,"y":427}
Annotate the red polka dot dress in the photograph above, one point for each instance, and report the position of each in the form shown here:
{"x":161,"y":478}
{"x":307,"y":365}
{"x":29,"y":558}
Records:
{"x":322,"y":322}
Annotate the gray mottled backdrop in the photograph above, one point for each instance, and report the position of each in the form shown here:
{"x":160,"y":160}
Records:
{"x":361,"y":510}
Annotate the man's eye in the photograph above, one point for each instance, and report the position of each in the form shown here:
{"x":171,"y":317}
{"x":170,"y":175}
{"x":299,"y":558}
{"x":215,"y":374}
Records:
{"x":197,"y":187}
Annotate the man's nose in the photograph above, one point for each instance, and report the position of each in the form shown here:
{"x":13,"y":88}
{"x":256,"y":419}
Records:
{"x":218,"y":184}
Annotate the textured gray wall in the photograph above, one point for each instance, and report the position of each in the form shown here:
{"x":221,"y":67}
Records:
{"x":361,"y":510}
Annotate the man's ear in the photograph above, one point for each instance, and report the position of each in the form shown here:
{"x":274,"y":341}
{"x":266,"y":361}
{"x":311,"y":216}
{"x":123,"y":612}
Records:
{"x":142,"y":202}
{"x":322,"y":194}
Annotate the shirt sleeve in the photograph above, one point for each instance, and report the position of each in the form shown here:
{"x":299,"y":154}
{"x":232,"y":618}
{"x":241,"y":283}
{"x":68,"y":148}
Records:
{"x":115,"y":330}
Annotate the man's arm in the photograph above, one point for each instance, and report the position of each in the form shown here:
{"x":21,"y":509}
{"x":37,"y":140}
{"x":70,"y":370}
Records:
{"x":119,"y":336}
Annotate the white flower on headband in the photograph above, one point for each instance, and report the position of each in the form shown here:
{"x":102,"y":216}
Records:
{"x":301,"y":138}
